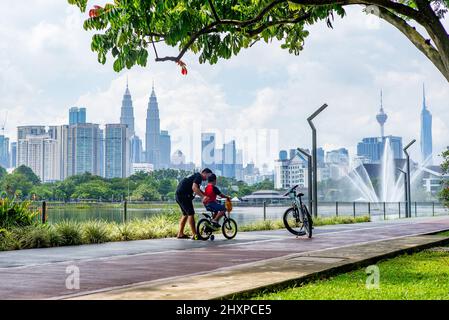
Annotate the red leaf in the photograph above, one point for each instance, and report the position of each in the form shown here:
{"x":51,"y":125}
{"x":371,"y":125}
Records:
{"x":184,"y":71}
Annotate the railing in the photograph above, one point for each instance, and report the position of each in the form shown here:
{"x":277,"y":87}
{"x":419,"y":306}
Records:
{"x":246,"y":213}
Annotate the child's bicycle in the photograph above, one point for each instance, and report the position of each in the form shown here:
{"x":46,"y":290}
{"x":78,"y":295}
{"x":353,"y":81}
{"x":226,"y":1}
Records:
{"x":205,"y":228}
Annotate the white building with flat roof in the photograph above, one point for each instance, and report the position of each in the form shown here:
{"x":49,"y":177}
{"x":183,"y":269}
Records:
{"x":290,"y":172}
{"x":142,"y":167}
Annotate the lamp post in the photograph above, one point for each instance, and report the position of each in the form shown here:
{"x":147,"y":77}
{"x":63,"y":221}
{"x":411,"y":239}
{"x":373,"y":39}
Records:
{"x":405,"y":190}
{"x":309,"y":180}
{"x":409,"y":198}
{"x":314,"y":158}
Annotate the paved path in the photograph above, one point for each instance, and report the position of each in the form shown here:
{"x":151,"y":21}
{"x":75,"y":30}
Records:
{"x":41,"y":273}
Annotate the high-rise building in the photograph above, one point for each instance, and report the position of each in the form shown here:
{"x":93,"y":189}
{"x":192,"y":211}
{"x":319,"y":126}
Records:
{"x":127,"y":111}
{"x":117,"y":151}
{"x":83,"y":154}
{"x":77,"y":115}
{"x":372,"y":148}
{"x":338,"y":157}
{"x":101,"y":151}
{"x":39,"y":152}
{"x":320,"y":157}
{"x":24,"y":131}
{"x":4,"y":152}
{"x":229,"y":159}
{"x":136,"y":150}
{"x":381,"y":116}
{"x":13,"y":159}
{"x":59,"y":134}
{"x":153,"y":132}
{"x":165,"y":150}
{"x":426,"y":132}
{"x":290,"y":172}
{"x":208,"y":150}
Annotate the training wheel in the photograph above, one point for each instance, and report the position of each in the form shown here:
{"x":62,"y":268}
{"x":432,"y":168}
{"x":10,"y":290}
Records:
{"x":212,"y":237}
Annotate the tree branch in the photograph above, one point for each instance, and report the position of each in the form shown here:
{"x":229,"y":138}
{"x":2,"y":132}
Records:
{"x":214,"y":12}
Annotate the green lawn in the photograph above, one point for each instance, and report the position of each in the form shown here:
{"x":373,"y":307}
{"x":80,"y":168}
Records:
{"x":420,"y":276}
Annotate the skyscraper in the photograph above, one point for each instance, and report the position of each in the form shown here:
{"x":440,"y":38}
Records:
{"x":77,"y":115}
{"x":117,"y":151}
{"x":127,"y":112}
{"x":4,"y":151}
{"x":136,"y":150}
{"x":13,"y":154}
{"x":229,"y":159}
{"x":83,"y":149}
{"x":39,"y":152}
{"x":208,"y":150}
{"x":165,"y":149}
{"x":381,"y":116}
{"x":426,"y":131}
{"x":153,"y":132}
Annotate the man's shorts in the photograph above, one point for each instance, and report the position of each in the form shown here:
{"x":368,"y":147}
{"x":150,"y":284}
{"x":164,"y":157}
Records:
{"x":186,"y":205}
{"x":215,"y":207}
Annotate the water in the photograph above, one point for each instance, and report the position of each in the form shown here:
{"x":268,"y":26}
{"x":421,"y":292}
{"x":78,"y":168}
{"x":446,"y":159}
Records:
{"x":246,"y":215}
{"x":391,"y":184}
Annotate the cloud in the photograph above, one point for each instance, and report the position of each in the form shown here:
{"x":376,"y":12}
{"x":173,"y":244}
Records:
{"x":46,"y":66}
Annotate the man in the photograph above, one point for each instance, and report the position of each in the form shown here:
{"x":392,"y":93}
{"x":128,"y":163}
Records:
{"x":185,"y":193}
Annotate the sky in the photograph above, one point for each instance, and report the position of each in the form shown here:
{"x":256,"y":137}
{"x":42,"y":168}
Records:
{"x":261,"y":97}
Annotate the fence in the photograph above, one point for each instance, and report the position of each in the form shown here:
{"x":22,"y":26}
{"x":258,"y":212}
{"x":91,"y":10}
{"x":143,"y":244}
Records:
{"x":121,"y":212}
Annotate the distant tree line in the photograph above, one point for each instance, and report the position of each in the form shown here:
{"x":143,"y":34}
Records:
{"x":159,"y":185}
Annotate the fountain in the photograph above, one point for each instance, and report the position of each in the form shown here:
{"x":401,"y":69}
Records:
{"x":390,"y":184}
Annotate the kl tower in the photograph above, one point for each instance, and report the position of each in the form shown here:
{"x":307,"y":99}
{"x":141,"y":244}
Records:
{"x":381,"y":116}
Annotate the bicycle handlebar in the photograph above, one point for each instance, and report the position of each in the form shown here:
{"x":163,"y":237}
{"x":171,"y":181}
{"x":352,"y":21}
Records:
{"x":291,"y":190}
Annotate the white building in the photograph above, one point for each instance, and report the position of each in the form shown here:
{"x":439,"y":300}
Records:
{"x":432,"y":178}
{"x":40,"y":153}
{"x":290,"y":172}
{"x":142,"y":167}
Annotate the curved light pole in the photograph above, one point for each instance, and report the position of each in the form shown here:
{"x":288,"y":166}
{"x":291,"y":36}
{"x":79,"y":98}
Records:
{"x":309,"y":179}
{"x":405,"y":190}
{"x":314,"y":158}
{"x":409,"y":198}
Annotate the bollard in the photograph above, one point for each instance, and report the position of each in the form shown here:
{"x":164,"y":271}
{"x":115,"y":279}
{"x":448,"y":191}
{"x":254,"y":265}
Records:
{"x":44,"y":212}
{"x":385,"y":212}
{"x":336,"y":208}
{"x":264,"y":210}
{"x":399,"y":209}
{"x":416,"y":214}
{"x":433,"y":208}
{"x":369,"y":209}
{"x":125,"y":211}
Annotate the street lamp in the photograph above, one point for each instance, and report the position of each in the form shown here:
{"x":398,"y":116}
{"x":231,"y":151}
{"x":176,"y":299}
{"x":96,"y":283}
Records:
{"x":409,"y":198}
{"x":314,"y":158}
{"x":405,"y":190}
{"x":309,"y":181}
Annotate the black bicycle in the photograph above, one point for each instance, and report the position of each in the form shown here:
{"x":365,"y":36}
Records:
{"x":205,"y":227}
{"x":297,"y":218}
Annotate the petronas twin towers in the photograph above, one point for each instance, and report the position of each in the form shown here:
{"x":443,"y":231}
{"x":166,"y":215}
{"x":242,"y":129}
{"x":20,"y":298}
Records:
{"x":153,"y":150}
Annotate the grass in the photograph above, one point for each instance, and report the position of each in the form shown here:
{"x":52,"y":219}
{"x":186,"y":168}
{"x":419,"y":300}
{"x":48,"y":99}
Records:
{"x":163,"y":225}
{"x":420,"y":276}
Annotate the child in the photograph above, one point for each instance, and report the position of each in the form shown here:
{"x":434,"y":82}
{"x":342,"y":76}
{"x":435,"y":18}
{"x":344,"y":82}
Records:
{"x":211,"y":203}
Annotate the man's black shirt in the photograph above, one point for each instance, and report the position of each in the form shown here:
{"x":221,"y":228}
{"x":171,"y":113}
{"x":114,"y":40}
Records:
{"x":185,"y":186}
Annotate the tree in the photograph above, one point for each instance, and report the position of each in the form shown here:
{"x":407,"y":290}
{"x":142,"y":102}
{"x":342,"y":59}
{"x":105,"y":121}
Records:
{"x":92,"y":190}
{"x":146,"y":192}
{"x":28,"y":173}
{"x":221,"y":28}
{"x":444,"y":193}
{"x":3,"y":173}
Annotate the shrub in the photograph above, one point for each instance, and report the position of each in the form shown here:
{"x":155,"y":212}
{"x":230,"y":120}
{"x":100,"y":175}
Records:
{"x":16,"y":214}
{"x":70,"y":233}
{"x":36,"y":236}
{"x":95,"y":232}
{"x":7,"y":241}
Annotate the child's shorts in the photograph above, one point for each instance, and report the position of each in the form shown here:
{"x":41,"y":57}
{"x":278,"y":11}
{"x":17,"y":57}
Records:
{"x":215,"y":207}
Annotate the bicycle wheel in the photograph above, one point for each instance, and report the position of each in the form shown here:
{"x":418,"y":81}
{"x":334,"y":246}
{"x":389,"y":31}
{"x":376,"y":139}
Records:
{"x":307,"y":222}
{"x":229,"y":228}
{"x":293,"y":223}
{"x":203,"y":230}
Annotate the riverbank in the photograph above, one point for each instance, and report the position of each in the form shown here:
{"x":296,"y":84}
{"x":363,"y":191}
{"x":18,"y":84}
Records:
{"x":163,"y":225}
